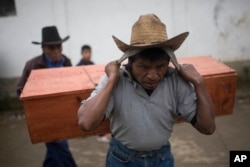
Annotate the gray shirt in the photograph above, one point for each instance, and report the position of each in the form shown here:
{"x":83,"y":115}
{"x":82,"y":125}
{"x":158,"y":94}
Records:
{"x":142,"y":122}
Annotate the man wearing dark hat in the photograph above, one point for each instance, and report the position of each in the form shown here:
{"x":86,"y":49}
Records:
{"x":144,"y":98}
{"x":58,"y":153}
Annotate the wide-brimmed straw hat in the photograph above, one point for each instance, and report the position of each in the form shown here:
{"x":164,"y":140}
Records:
{"x":150,"y":32}
{"x":50,"y":36}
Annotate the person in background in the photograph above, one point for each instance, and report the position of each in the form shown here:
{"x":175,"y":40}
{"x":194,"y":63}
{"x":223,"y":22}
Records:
{"x":86,"y":53}
{"x":144,"y":98}
{"x":57,"y":152}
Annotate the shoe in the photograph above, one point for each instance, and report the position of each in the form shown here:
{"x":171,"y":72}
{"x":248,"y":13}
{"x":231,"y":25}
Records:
{"x":103,"y":139}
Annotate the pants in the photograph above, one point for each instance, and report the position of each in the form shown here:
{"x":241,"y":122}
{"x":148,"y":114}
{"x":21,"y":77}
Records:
{"x":58,"y":155}
{"x":120,"y":156}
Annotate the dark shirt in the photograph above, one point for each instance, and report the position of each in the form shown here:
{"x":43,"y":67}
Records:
{"x":38,"y":62}
{"x":52,"y":64}
{"x":84,"y":62}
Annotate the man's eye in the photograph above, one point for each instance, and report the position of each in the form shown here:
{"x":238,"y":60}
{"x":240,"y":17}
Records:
{"x":160,"y":67}
{"x":143,"y":67}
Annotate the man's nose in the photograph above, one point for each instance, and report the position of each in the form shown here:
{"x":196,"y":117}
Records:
{"x":57,"y":49}
{"x":153,"y":75}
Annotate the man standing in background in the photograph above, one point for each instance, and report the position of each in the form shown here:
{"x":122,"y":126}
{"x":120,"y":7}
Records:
{"x":58,"y":153}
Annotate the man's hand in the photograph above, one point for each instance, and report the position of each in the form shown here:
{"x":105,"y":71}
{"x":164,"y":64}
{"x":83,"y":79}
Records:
{"x":205,"y":108}
{"x":92,"y":112}
{"x":189,"y":72}
{"x":112,"y":70}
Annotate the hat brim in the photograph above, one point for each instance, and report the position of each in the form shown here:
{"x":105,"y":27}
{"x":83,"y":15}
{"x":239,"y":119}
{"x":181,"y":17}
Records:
{"x":173,"y":43}
{"x":51,"y":43}
{"x":168,"y":51}
{"x":169,"y":46}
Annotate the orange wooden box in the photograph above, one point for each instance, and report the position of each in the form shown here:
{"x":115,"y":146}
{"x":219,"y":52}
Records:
{"x":51,"y":97}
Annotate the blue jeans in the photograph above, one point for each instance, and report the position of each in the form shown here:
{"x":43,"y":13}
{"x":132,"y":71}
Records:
{"x":58,"y":155}
{"x":120,"y":156}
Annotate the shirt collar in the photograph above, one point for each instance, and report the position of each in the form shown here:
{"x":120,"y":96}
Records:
{"x":54,"y":64}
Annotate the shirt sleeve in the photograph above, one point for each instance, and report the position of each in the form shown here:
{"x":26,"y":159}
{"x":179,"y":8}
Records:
{"x":101,"y":84}
{"x":23,"y":79}
{"x":187,"y":100}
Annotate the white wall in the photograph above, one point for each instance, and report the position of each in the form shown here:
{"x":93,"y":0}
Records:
{"x":17,"y":33}
{"x":217,"y":27}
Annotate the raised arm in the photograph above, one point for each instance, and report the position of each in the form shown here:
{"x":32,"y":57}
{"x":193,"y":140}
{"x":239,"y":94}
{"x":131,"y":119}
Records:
{"x":205,"y":108}
{"x":91,"y":113}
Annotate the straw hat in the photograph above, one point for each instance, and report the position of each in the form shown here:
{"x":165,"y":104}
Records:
{"x":50,"y":36}
{"x":150,"y":32}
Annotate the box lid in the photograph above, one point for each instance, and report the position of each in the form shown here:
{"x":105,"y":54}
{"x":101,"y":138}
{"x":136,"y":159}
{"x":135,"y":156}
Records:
{"x":207,"y":65}
{"x":57,"y":81}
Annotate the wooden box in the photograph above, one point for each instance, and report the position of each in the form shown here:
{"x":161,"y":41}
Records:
{"x":51,"y":97}
{"x":221,"y":81}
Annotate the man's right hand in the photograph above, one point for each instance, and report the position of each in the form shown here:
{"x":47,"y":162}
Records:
{"x":112,"y":70}
{"x":92,"y":111}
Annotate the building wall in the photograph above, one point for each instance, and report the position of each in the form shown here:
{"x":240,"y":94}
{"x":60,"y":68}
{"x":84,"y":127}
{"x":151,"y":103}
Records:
{"x":217,"y":27}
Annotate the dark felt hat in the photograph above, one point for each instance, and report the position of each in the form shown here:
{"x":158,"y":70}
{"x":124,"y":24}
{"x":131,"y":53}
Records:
{"x":50,"y":36}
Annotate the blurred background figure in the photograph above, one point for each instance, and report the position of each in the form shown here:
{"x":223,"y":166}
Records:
{"x":86,"y":53}
{"x":58,"y":153}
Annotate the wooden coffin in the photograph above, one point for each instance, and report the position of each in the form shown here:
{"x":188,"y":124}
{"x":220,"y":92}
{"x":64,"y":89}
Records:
{"x":51,"y":97}
{"x":221,"y":81}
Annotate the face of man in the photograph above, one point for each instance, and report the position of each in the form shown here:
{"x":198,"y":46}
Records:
{"x":53,"y":51}
{"x":149,"y":73}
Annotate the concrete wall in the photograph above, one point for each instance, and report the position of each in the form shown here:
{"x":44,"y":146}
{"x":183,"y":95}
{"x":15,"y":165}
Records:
{"x":219,"y":28}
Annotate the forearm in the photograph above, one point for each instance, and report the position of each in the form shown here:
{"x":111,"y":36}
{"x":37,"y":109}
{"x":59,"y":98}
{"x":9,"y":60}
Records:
{"x":23,"y":79}
{"x":205,"y":109}
{"x":91,"y":113}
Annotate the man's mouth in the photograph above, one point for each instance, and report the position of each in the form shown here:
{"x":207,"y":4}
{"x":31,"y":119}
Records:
{"x":151,"y":84}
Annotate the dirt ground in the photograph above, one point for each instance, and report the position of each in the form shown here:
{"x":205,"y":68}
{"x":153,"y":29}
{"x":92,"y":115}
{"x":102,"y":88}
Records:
{"x":190,"y":148}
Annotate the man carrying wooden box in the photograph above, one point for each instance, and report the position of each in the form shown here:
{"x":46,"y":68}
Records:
{"x":144,"y":98}
{"x":58,"y":153}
